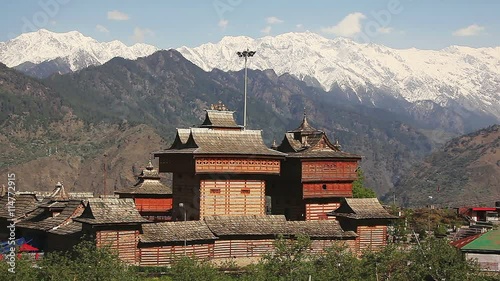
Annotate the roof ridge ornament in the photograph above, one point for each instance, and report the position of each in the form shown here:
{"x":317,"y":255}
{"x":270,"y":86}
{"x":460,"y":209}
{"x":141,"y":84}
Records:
{"x":219,"y":106}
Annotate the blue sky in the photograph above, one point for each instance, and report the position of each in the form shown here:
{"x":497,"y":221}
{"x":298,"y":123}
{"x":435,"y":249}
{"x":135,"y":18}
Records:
{"x":427,"y":24}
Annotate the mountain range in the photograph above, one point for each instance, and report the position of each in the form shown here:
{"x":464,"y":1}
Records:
{"x":456,"y":89}
{"x":43,"y":52}
{"x":465,"y":171}
{"x":120,"y":110}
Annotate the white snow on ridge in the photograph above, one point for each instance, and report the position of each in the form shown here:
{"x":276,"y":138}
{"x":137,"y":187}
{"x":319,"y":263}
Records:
{"x":79,"y":50}
{"x":452,"y":73}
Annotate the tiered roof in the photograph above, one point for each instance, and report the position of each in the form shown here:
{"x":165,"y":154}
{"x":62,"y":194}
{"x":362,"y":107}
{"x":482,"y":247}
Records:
{"x":110,"y":211}
{"x":361,"y":208}
{"x":219,"y":134}
{"x":148,"y":183}
{"x":308,"y":142}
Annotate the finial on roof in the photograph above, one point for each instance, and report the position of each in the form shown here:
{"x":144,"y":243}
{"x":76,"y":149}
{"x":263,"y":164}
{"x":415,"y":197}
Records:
{"x":59,"y":193}
{"x":337,"y":144}
{"x":274,"y":145}
{"x":150,"y":165}
{"x":219,"y":106}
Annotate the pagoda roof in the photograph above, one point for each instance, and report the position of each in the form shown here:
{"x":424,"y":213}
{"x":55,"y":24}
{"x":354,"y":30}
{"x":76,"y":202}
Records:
{"x":220,"y":119}
{"x":361,"y":208}
{"x":148,"y":182}
{"x":110,"y":211}
{"x":305,"y":127}
{"x":40,"y":219}
{"x":309,"y":142}
{"x":205,"y":141}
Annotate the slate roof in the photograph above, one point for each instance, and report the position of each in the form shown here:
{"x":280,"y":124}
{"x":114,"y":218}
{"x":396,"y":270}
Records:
{"x":487,"y":242}
{"x":273,"y":225}
{"x":148,"y":183}
{"x":110,"y":211}
{"x":25,"y":203}
{"x":176,"y":231}
{"x":308,"y":142}
{"x":67,"y":229}
{"x":361,"y":208}
{"x":41,"y":219}
{"x":319,"y":229}
{"x":220,"y":119}
{"x":246,"y":225}
{"x":204,"y":141}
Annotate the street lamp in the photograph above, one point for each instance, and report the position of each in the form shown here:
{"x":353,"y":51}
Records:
{"x":181,"y":205}
{"x":245,"y":54}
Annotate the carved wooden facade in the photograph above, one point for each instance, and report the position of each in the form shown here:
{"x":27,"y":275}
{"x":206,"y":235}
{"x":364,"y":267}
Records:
{"x":219,"y":168}
{"x":315,"y":176}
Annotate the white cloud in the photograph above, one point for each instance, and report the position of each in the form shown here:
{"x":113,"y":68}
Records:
{"x":117,"y":15}
{"x":385,"y":30}
{"x":101,"y":28}
{"x":347,"y":27}
{"x":471,"y":30}
{"x":223,"y":23}
{"x":266,"y":30}
{"x":53,"y":22}
{"x":141,"y":33}
{"x":274,"y":20}
{"x":299,"y":26}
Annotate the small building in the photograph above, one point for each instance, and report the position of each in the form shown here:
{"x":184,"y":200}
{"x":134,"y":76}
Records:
{"x":115,"y":223}
{"x":40,"y":226}
{"x":481,"y":214}
{"x":152,"y":198}
{"x":367,"y":218}
{"x":160,"y":243}
{"x":315,"y":177}
{"x":483,"y":248}
{"x":25,"y":203}
{"x":219,"y":168}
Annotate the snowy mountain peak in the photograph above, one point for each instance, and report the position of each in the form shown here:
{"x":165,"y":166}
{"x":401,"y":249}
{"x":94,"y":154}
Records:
{"x":78,"y":50}
{"x":469,"y":76}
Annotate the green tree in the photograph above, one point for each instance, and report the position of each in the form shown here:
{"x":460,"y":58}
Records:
{"x":337,"y":263}
{"x":358,"y":188}
{"x":191,"y":268}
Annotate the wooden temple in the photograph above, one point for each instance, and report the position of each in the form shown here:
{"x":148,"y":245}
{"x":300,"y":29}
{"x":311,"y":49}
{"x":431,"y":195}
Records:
{"x":315,"y":177}
{"x":219,"y":168}
{"x":231,"y":197}
{"x":152,"y":198}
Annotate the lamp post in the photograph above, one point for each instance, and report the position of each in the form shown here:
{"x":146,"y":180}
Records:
{"x":181,"y":205}
{"x":245,"y":54}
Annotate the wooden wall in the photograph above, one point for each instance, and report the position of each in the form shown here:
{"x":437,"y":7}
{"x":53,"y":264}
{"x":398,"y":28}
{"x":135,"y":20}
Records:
{"x":164,"y":255}
{"x":242,"y":248}
{"x":371,"y":237}
{"x":317,"y":211}
{"x":232,"y":197}
{"x":237,"y":165}
{"x":124,"y":242}
{"x":329,"y":171}
{"x":153,"y":204}
{"x":320,"y":190}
